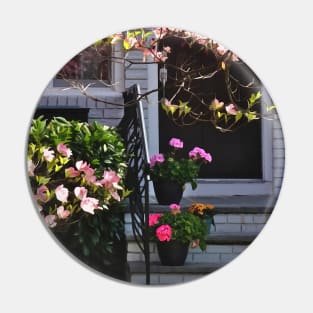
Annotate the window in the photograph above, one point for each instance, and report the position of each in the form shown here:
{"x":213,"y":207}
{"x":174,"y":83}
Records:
{"x":92,"y":65}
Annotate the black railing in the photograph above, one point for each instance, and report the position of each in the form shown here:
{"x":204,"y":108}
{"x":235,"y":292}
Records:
{"x":133,"y":130}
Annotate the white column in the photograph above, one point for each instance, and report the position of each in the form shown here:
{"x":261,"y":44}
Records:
{"x":153,"y":112}
{"x":117,"y":66}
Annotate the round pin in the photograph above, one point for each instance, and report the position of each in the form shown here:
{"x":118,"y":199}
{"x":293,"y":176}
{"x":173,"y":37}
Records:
{"x":155,"y":156}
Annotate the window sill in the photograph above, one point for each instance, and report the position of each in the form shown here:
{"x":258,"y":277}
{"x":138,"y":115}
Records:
{"x":62,"y":91}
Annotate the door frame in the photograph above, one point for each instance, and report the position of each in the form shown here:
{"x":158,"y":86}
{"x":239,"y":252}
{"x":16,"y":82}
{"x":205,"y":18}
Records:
{"x":216,"y":187}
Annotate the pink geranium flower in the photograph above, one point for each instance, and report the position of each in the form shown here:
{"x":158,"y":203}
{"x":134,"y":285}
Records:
{"x":157,"y":158}
{"x":231,"y":109}
{"x":208,"y":157}
{"x":80,"y":192}
{"x":64,"y":150}
{"x":62,"y":213}
{"x":175,"y":208}
{"x":42,"y":194}
{"x":50,"y":220}
{"x":176,"y":143}
{"x":154,"y":218}
{"x":48,"y":155}
{"x":164,"y":232}
{"x":71,"y":172}
{"x":90,"y":204}
{"x":197,"y":152}
{"x":61,"y":193}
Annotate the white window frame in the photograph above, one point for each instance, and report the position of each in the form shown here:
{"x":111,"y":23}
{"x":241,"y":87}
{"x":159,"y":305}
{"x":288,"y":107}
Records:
{"x":216,"y":187}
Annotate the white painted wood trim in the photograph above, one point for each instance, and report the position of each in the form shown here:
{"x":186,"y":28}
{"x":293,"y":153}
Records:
{"x":117,"y":67}
{"x":153,"y":113}
{"x":211,"y":187}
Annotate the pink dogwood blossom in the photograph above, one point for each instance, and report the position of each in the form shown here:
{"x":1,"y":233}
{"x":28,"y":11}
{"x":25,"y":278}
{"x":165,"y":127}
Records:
{"x":61,"y":193}
{"x":160,"y":56}
{"x":80,"y":192}
{"x":167,"y":49}
{"x":221,"y":50}
{"x":62,"y":213}
{"x":64,"y":150}
{"x":157,"y":158}
{"x":48,"y":155}
{"x":216,"y":104}
{"x":154,"y":218}
{"x":110,"y":182}
{"x":89,"y":205}
{"x":89,"y":175}
{"x":42,"y":194}
{"x":71,"y":172}
{"x":176,"y":143}
{"x":111,"y":179}
{"x":30,"y":168}
{"x":115,"y":195}
{"x":164,"y":232}
{"x":51,"y":220}
{"x":231,"y":109}
{"x":81,"y":165}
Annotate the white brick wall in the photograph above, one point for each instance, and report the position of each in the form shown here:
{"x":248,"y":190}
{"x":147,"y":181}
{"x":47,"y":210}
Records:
{"x":104,"y":113}
{"x":278,"y":156}
{"x":214,"y":253}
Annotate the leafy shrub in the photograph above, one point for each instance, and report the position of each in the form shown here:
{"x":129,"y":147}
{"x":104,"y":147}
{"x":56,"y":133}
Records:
{"x":76,"y":174}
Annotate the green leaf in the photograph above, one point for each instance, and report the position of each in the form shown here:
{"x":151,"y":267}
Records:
{"x":98,"y":43}
{"x":147,"y":34}
{"x":86,"y":251}
{"x":238,"y":116}
{"x":253,"y":98}
{"x":41,"y":180}
{"x":172,"y":109}
{"x":193,"y":185}
{"x":270,"y":108}
{"x":250,"y":116}
{"x":57,"y":168}
{"x":126,"y":45}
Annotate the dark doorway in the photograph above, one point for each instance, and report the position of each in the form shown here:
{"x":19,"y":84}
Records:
{"x":237,"y":154}
{"x":79,"y":114}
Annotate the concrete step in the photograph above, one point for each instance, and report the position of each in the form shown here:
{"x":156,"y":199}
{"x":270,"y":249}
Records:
{"x":238,"y":219}
{"x":221,"y":249}
{"x":166,"y":275}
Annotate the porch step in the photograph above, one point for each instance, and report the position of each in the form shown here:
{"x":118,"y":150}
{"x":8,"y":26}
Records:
{"x":165,"y":275}
{"x":222,"y":238}
{"x":238,"y":219}
{"x":225,"y":204}
{"x":221,"y":249}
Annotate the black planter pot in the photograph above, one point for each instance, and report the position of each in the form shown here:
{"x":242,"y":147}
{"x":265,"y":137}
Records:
{"x":168,"y":192}
{"x":172,"y":252}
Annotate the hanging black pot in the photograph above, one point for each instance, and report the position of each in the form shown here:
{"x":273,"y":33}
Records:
{"x":168,"y":192}
{"x":173,"y":252}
